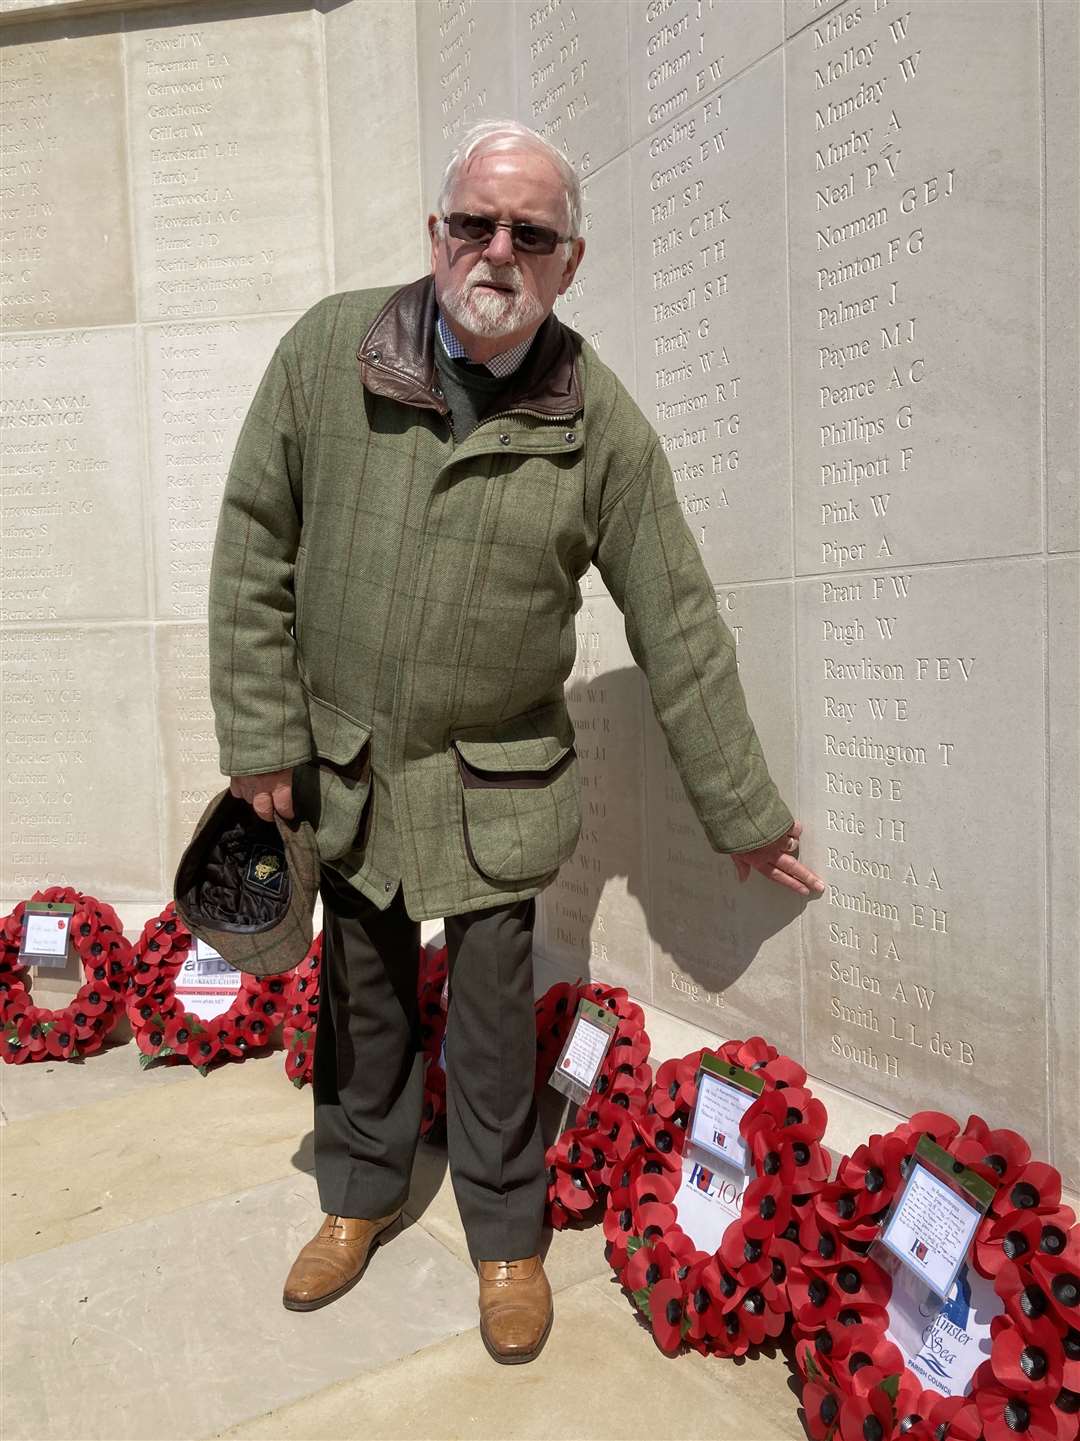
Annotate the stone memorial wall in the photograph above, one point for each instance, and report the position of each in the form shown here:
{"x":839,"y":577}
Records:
{"x":178,"y":185}
{"x":832,"y":253}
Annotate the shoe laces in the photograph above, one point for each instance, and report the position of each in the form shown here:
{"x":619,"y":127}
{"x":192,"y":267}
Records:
{"x":505,"y":1273}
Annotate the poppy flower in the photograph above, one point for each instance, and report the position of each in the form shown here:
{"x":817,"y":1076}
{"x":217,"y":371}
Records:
{"x":783,"y":1071}
{"x":936,"y":1124}
{"x":664,"y":1097}
{"x":660,"y":1134}
{"x":875,"y":1167}
{"x":30,"y":1029}
{"x":94,"y":1000}
{"x":667,"y":1309}
{"x":572,"y":1190}
{"x":1004,"y":1152}
{"x":1012,"y":1237}
{"x":179,"y":1031}
{"x":822,"y":1407}
{"x":203,"y":1048}
{"x":631,"y":1046}
{"x":1026,"y":1358}
{"x":866,"y":1416}
{"x":758,"y":1322}
{"x":1025,"y":1300}
{"x":619,"y":1225}
{"x":651,"y":1264}
{"x":60,"y":1041}
{"x":1036,"y":1187}
{"x":660,"y":1185}
{"x":955,"y":1418}
{"x":823,"y":1246}
{"x":766,"y":1208}
{"x":1007,"y":1413}
{"x":853,"y":1212}
{"x":652,"y":1219}
{"x":626,"y":1080}
{"x":871,"y":1358}
{"x":13,"y":1049}
{"x":814,"y":1298}
{"x":1059,"y":1277}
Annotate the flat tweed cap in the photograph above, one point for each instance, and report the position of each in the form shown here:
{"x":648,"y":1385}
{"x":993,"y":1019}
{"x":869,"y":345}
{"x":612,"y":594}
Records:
{"x":247,"y":886}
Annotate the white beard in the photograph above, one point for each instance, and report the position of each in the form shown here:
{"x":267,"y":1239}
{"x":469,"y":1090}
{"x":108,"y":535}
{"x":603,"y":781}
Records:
{"x":486,"y":313}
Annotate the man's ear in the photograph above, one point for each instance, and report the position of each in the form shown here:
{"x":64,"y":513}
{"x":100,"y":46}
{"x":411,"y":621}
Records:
{"x":433,"y":236}
{"x":573,"y":260}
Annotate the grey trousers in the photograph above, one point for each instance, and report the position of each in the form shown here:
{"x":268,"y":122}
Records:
{"x":368,"y":1069}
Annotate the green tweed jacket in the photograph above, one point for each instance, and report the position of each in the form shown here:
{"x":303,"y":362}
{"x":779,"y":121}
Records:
{"x":392,"y":613}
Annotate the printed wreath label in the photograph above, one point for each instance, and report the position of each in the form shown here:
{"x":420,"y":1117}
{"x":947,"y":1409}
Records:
{"x":725,"y":1300}
{"x":1008,"y":1337}
{"x":596,"y":1143}
{"x":161,"y":1025}
{"x":35,"y":1033}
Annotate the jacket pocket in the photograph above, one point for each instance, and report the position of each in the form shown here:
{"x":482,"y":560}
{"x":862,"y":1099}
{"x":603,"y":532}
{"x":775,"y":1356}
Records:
{"x":332,"y":790}
{"x":521,"y":806}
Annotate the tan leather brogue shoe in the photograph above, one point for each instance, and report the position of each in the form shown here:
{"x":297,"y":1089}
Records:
{"x":333,"y":1260}
{"x":515,"y":1309}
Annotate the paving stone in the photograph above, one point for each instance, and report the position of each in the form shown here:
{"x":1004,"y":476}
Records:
{"x":45,"y":1087}
{"x":174,"y":1328}
{"x":600,"y":1376}
{"x":137,"y":1156}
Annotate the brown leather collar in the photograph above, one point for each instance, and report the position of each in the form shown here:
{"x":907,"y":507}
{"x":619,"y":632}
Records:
{"x":397,"y":359}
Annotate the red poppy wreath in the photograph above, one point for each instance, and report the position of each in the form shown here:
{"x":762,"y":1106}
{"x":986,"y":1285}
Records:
{"x":707,"y":1259}
{"x":34,"y":1033}
{"x":1000,"y":1361}
{"x":301,"y":1015}
{"x":432,"y":998}
{"x":161,"y":1025}
{"x":597,"y":1142}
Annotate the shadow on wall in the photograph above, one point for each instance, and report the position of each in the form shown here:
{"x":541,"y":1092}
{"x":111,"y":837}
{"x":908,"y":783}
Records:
{"x":701,"y":924}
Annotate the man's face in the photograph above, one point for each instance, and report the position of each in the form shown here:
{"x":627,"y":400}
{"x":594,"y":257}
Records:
{"x":492,"y":292}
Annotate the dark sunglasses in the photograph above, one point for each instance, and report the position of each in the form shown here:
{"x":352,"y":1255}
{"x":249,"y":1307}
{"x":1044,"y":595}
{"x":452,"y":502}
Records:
{"x":524,"y":235}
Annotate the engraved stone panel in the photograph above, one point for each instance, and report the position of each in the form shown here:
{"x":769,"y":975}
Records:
{"x":465,"y":59}
{"x":727,"y":955}
{"x":1061,"y":51}
{"x":188,"y":743}
{"x":599,"y":302}
{"x":712,"y":323}
{"x":200,"y":379}
{"x":922,"y":776}
{"x":595,"y":919}
{"x":913,"y":149}
{"x":800,"y":13}
{"x":79,"y":783}
{"x":1064,"y":830}
{"x":379,"y":236}
{"x":681,"y":50}
{"x":571,"y":69}
{"x":229,"y":195}
{"x":65,"y":250}
{"x":70,"y":460}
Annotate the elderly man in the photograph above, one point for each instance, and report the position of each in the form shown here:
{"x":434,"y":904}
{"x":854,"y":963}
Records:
{"x":423,"y":478}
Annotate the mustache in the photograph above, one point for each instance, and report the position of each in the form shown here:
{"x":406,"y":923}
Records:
{"x":482,"y":273}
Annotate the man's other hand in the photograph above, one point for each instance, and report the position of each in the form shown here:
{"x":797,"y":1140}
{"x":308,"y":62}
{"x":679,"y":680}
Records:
{"x":266,"y":794}
{"x":780,"y":863}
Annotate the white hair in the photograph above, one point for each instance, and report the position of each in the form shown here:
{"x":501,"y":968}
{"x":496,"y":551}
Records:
{"x":491,"y":136}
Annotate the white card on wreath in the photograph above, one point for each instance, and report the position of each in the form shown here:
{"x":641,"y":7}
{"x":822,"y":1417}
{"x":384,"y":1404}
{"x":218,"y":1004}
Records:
{"x":46,"y":929}
{"x":708,"y":1200}
{"x":931,"y":1229}
{"x":943,"y":1345}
